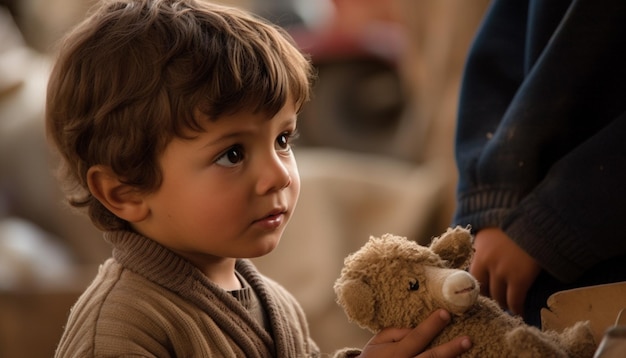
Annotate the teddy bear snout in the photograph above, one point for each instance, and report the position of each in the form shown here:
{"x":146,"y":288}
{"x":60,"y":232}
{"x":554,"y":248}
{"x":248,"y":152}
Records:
{"x":460,"y":291}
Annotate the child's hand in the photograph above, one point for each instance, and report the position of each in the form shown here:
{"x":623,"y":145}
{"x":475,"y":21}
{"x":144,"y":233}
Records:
{"x":398,"y":342}
{"x":505,"y":271}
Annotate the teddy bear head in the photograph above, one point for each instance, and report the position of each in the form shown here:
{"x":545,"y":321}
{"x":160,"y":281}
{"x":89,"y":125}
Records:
{"x":395,"y":282}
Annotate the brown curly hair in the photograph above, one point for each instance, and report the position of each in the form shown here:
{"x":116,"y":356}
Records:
{"x":129,"y":78}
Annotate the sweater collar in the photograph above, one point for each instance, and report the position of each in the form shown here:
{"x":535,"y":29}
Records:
{"x":167,"y":269}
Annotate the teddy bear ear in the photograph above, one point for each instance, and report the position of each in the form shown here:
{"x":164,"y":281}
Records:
{"x":455,"y":247}
{"x":357,"y":300}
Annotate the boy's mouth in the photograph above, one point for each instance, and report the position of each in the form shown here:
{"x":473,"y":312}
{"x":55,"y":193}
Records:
{"x":273,"y":219}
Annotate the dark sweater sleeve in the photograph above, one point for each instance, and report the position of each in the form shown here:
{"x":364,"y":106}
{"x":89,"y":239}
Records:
{"x":542,"y":116}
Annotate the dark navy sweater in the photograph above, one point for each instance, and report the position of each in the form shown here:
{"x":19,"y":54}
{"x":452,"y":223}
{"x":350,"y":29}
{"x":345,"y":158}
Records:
{"x":541,"y":135}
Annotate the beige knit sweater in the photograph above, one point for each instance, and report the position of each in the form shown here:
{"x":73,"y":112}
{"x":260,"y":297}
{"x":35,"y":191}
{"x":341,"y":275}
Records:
{"x":146,"y":301}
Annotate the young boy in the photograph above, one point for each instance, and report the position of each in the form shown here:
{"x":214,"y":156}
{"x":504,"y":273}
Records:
{"x":174,"y":120}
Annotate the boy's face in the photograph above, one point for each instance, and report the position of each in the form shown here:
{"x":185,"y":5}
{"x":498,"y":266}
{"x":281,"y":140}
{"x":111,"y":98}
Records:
{"x":229,"y":191}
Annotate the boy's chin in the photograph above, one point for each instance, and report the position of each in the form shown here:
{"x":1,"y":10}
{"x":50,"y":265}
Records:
{"x":263,"y":249}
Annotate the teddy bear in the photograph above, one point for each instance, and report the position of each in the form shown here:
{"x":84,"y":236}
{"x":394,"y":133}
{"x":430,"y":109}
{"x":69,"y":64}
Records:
{"x":395,"y":282}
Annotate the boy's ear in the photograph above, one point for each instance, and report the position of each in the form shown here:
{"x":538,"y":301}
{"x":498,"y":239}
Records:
{"x":123,"y":200}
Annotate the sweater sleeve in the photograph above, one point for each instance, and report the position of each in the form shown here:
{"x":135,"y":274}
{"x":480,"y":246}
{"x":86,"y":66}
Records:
{"x":493,"y":72}
{"x":539,"y":146}
{"x":347,"y":353}
{"x":573,"y":219}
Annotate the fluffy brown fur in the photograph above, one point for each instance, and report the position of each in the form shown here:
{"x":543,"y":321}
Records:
{"x":394,"y":282}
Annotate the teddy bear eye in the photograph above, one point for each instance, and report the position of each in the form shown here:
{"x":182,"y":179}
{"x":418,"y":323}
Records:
{"x":414,"y":285}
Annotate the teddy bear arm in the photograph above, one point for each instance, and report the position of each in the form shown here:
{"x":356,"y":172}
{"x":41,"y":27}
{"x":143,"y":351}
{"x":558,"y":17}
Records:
{"x":530,"y":342}
{"x":578,"y":340}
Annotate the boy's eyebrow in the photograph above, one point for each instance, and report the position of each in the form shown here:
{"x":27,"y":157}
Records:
{"x":222,"y":138}
{"x":290,"y":120}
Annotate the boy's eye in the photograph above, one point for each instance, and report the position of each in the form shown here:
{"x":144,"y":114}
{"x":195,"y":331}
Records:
{"x":283,"y":141}
{"x":231,"y":157}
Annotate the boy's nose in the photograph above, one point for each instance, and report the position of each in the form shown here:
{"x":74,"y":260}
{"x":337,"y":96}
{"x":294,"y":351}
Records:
{"x":274,"y":175}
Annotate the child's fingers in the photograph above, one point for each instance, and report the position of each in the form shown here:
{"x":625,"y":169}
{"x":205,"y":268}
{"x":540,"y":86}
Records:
{"x":389,"y":335}
{"x":404,"y":342}
{"x":421,"y":336}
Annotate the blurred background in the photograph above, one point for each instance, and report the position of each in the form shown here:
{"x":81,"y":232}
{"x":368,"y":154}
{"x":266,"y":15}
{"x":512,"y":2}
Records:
{"x":375,"y":154}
